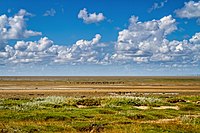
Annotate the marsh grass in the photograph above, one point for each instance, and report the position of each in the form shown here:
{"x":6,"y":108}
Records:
{"x":190,"y":119}
{"x":100,"y":114}
{"x":132,"y":101}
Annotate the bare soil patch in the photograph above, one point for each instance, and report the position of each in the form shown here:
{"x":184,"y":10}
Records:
{"x":160,"y":107}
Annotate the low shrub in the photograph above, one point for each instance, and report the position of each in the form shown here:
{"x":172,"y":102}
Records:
{"x":89,"y":102}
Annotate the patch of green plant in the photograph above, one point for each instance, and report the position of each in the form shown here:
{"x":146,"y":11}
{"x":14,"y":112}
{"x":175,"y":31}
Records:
{"x":162,"y":114}
{"x":10,"y":102}
{"x":106,"y":111}
{"x":105,"y":114}
{"x":169,"y":127}
{"x":176,"y":100}
{"x":189,"y":107}
{"x":133,"y":101}
{"x":139,"y":116}
{"x":89,"y":127}
{"x":192,"y":98}
{"x":190,"y":119}
{"x":54,"y":128}
{"x":30,"y":129}
{"x":89,"y":102}
{"x":124,"y":127}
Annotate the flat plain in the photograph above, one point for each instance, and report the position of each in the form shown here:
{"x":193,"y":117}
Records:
{"x":100,"y":104}
{"x":94,"y":86}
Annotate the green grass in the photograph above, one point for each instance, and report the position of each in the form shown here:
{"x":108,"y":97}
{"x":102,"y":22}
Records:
{"x":99,"y":114}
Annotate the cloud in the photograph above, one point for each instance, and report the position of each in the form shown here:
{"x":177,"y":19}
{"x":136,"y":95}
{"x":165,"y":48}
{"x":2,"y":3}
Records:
{"x":89,"y":18}
{"x":140,"y":43}
{"x":41,"y":45}
{"x":190,"y":10}
{"x":145,"y":36}
{"x":28,"y":52}
{"x":83,"y":51}
{"x":146,"y":42}
{"x":195,"y":39}
{"x":157,"y":5}
{"x":15,"y":27}
{"x":50,"y":12}
{"x":45,"y":51}
{"x":23,"y":12}
{"x":21,"y":45}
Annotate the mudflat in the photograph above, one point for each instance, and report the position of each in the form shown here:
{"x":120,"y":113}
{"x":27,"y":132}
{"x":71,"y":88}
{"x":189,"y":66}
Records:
{"x":97,"y":86}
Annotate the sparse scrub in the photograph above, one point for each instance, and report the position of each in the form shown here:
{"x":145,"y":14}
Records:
{"x":89,"y":102}
{"x":133,"y":101}
{"x":99,"y":114}
{"x":139,"y":116}
{"x":35,"y":103}
{"x":190,"y":119}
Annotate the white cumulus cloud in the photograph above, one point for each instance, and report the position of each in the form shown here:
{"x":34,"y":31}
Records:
{"x":191,"y":9}
{"x":195,"y":39}
{"x":83,"y":51}
{"x":28,"y":52}
{"x":146,"y":42}
{"x":89,"y":18}
{"x":15,"y":27}
{"x":45,"y":51}
{"x":141,"y":42}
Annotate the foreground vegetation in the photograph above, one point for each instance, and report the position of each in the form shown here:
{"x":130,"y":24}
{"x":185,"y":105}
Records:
{"x":108,"y":114}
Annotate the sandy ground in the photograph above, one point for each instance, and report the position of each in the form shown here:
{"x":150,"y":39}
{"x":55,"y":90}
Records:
{"x":94,"y":92}
{"x":97,"y":86}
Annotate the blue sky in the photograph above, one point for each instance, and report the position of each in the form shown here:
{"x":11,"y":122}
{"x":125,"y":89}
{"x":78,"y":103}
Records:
{"x":92,"y":37}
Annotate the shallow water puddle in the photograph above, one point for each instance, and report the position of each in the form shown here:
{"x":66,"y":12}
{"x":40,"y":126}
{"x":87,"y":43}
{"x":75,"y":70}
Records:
{"x":161,"y":107}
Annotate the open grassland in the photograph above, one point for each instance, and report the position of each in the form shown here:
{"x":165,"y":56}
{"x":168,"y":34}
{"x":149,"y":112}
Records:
{"x":100,"y":104}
